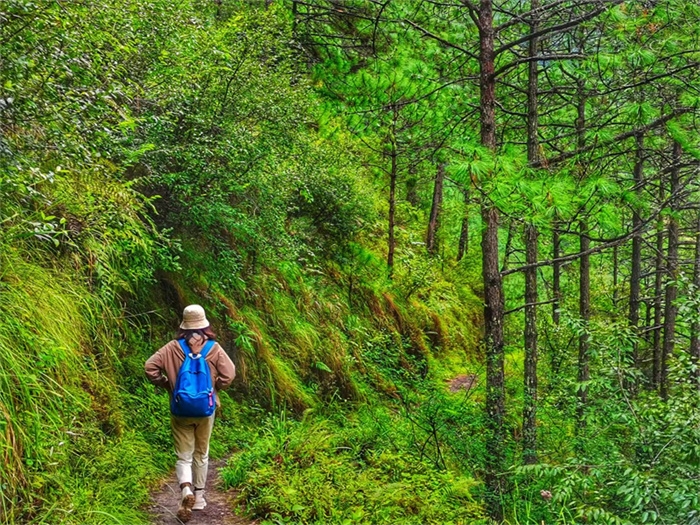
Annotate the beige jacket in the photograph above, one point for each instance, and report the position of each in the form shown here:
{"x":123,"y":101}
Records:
{"x":163,"y":366}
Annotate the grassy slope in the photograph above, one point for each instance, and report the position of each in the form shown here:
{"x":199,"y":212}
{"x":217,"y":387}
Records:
{"x":83,"y":433}
{"x":70,"y":446}
{"x":368,"y":381}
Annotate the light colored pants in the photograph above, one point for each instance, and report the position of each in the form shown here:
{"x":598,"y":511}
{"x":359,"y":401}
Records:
{"x":191,"y":436}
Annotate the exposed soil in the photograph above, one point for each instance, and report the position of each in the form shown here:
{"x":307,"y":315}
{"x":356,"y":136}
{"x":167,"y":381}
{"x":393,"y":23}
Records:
{"x":463,"y":382}
{"x":219,"y":507}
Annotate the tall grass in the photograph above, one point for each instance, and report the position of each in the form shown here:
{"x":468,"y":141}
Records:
{"x":67,"y":454}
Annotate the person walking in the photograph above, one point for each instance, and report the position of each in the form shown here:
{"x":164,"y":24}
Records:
{"x":191,"y":434}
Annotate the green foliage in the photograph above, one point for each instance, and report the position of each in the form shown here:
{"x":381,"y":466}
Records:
{"x":349,"y":470}
{"x":152,"y":157}
{"x":636,"y":459}
{"x":70,"y":455}
{"x":240,"y":165}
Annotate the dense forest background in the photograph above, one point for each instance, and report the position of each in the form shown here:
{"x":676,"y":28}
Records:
{"x":452,"y":247}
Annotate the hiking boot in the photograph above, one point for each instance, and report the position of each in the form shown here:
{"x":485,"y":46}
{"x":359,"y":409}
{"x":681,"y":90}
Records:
{"x":184,"y":513}
{"x":199,"y":501}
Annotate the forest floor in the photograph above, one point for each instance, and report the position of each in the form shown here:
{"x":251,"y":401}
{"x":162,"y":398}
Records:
{"x":219,"y":509}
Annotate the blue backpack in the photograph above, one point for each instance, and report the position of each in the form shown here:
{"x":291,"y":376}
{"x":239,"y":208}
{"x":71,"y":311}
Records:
{"x":193,"y":395}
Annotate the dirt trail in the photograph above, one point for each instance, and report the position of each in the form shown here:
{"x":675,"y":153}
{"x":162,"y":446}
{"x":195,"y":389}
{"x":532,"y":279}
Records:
{"x":462,"y":382}
{"x":219,"y":511}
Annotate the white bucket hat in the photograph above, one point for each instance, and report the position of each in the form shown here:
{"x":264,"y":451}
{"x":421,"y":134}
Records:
{"x":193,"y":318}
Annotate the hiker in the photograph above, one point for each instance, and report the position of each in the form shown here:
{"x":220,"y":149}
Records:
{"x":191,"y":434}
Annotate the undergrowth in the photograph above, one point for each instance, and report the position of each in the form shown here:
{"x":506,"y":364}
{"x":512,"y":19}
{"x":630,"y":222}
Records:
{"x":70,"y":451}
{"x":347,"y":466}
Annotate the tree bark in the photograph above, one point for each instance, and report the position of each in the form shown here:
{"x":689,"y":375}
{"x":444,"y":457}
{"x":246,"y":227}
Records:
{"x":435,"y":209}
{"x":531,"y":235}
{"x":585,"y":314}
{"x":493,"y":342}
{"x":695,"y":325}
{"x":658,"y":288}
{"x":670,"y":307}
{"x":493,"y":286}
{"x":636,"y":271}
{"x":616,"y":271}
{"x":530,"y":377}
{"x":533,"y":143}
{"x":584,"y":278}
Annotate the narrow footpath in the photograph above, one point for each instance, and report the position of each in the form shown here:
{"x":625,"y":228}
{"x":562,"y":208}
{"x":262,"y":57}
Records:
{"x":219,"y":511}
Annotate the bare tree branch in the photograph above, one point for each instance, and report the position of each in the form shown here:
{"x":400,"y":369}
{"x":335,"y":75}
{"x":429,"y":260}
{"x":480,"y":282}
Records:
{"x":558,"y":28}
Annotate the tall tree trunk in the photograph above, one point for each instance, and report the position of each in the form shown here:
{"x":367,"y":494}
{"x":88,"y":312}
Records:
{"x":658,"y":288}
{"x":463,"y":247}
{"x":695,"y":326}
{"x":671,"y":309}
{"x":530,"y":376}
{"x":493,"y":342}
{"x":393,"y":174}
{"x":616,"y":271}
{"x":531,"y":234}
{"x":533,"y":143}
{"x":584,"y":277}
{"x":493,"y":285}
{"x":585,"y":314}
{"x":435,"y":209}
{"x":556,"y":272}
{"x":636,"y":272}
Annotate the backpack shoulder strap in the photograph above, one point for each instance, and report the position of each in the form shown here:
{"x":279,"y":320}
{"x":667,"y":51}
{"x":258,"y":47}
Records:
{"x":207,"y":346}
{"x":184,"y":346}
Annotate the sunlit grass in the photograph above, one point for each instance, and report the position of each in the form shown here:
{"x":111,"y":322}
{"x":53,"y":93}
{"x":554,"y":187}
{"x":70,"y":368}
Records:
{"x":62,"y":430}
